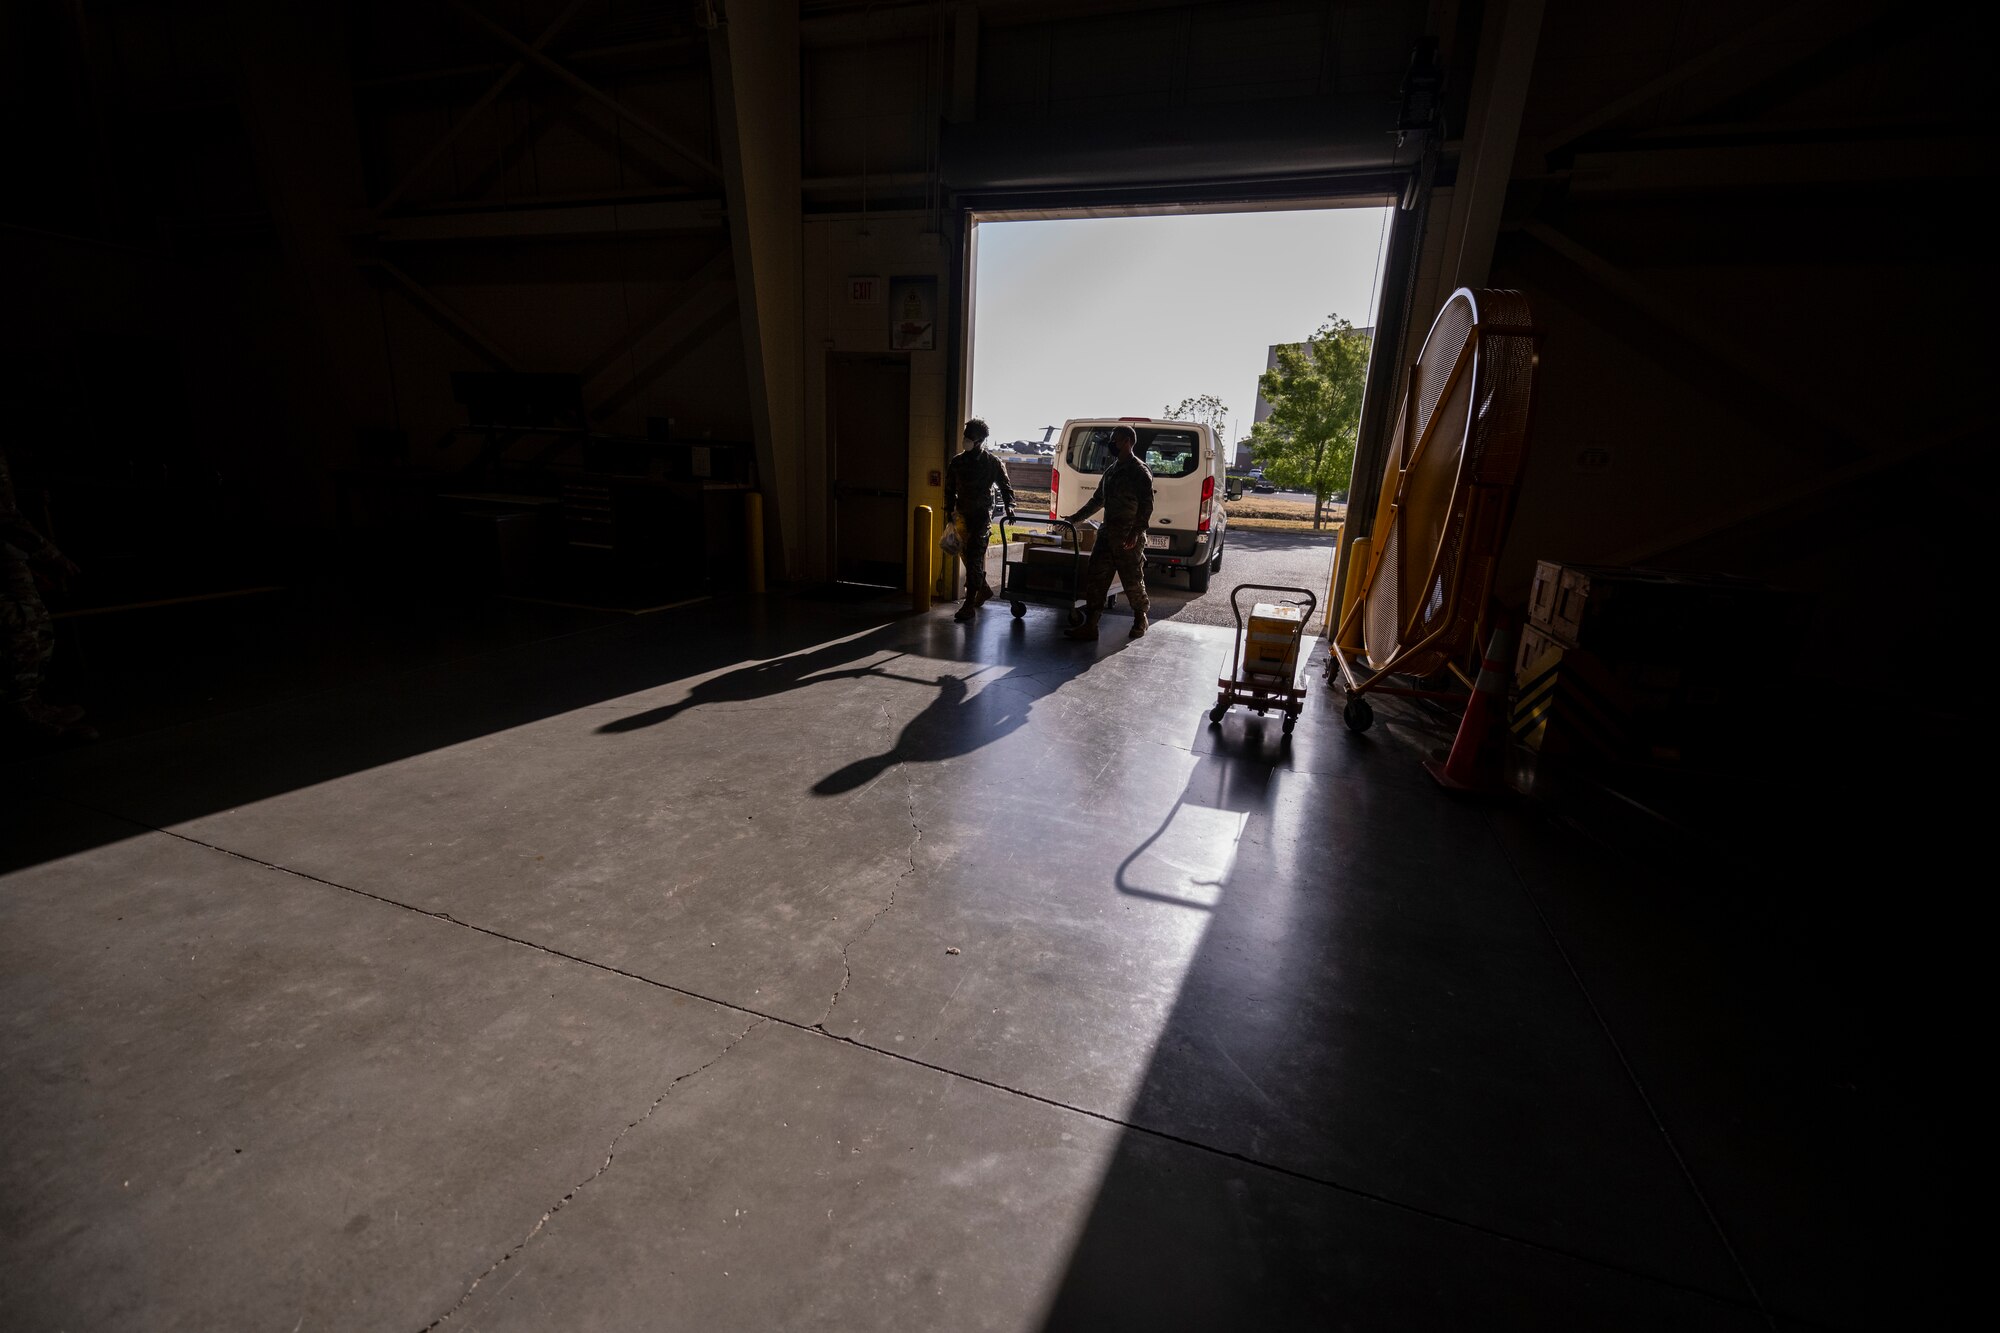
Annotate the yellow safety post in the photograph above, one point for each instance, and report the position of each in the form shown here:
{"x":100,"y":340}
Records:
{"x":753,"y":537}
{"x":931,"y":550}
{"x":921,"y":571}
{"x":1357,"y":565}
{"x":1327,"y":620}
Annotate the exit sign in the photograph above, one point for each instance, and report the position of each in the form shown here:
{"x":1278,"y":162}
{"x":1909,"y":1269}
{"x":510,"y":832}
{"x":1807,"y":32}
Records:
{"x":864,"y":291}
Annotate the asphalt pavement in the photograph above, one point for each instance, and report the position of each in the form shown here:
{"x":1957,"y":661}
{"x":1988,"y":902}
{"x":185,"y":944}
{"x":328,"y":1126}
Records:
{"x":1293,"y":559}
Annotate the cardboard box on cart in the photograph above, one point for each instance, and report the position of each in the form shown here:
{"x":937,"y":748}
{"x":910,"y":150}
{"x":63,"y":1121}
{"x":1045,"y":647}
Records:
{"x":1271,"y":641}
{"x":1056,"y":539}
{"x":1044,"y":561}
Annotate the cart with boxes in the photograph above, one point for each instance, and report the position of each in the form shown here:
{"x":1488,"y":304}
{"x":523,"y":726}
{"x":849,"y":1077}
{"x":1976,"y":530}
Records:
{"x":1050,"y":568}
{"x":1270,"y":649}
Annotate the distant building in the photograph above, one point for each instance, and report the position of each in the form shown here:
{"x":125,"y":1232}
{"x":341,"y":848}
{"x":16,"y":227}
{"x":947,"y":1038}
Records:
{"x":1271,"y":363}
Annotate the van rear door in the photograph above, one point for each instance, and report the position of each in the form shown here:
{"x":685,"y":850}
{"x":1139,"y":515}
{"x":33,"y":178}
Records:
{"x":1174,"y":454}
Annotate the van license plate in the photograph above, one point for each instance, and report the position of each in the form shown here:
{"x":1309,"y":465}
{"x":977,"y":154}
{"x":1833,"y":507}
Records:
{"x":1157,"y":541}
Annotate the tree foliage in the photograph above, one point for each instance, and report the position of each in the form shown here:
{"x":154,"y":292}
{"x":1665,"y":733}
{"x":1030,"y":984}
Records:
{"x":1307,"y":443}
{"x":1205,"y":408}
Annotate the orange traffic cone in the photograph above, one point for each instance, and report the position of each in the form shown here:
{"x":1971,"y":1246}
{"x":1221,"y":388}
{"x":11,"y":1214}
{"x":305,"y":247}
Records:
{"x":1474,"y":762}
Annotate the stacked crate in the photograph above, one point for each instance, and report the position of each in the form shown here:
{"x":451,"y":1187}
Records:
{"x":1628,"y":665}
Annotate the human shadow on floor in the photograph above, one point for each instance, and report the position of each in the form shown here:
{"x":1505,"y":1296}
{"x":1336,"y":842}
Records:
{"x":959,"y":720}
{"x":780,"y":675}
{"x":953,"y":723}
{"x":343,"y":688}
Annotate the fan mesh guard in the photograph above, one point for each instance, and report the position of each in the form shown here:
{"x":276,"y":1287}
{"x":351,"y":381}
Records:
{"x":1442,"y":521}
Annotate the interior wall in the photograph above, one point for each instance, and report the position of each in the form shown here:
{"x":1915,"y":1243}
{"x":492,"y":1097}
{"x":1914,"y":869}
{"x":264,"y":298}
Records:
{"x":1737,"y":225}
{"x":1184,"y":92}
{"x":867,"y":111}
{"x":345,"y":201}
{"x":1751,"y":264}
{"x":130,"y":368}
{"x":239,"y":190}
{"x":755,"y":60}
{"x":884,"y":247}
{"x":559,"y":304}
{"x":165,"y":330}
{"x":536,"y":228}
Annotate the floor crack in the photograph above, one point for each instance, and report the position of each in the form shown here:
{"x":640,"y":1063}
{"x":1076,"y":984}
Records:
{"x":916,"y":836}
{"x":610,"y":1152}
{"x":1123,"y":1123}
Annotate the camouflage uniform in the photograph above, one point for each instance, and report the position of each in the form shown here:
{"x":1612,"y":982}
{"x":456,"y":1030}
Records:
{"x":969,"y":479}
{"x":27,"y":635}
{"x":1125,"y":494}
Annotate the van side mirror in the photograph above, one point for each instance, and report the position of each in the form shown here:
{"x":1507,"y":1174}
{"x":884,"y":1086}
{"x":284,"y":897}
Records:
{"x":1233,"y":491}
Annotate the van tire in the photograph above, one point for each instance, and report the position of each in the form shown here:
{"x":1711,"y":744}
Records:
{"x":1198,"y":578}
{"x":1215,"y":565}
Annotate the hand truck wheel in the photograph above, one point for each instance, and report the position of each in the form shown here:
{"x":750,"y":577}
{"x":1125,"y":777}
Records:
{"x":1291,"y":722}
{"x":1075,"y":616}
{"x":1215,"y":713}
{"x":1019,"y":609}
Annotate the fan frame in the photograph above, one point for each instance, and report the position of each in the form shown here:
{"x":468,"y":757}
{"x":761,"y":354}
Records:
{"x":1474,"y":505}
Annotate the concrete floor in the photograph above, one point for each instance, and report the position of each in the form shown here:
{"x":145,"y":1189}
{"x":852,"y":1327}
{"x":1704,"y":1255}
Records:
{"x":802,"y":965}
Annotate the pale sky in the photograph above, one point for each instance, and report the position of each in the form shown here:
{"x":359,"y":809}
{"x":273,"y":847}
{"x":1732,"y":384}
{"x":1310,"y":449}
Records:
{"x":1120,"y":317}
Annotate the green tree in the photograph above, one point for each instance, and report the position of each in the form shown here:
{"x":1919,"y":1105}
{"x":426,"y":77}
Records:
{"x":1307,"y":443}
{"x":1205,"y":408}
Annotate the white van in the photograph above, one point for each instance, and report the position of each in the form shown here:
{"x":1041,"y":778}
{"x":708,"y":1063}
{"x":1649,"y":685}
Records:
{"x":1188,"y":516}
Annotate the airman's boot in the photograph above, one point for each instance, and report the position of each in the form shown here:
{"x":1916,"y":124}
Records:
{"x":1139,"y":623}
{"x":1087,"y":630}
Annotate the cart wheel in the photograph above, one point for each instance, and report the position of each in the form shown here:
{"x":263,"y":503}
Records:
{"x":1291,"y":722}
{"x":1075,"y":616}
{"x":1358,"y":715}
{"x":1019,"y":609}
{"x":1215,"y":713}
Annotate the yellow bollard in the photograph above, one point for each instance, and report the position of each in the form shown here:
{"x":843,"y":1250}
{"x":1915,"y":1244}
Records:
{"x":753,"y":537}
{"x":931,"y":550}
{"x":1329,"y":618}
{"x":1357,"y":566}
{"x":921,"y":570}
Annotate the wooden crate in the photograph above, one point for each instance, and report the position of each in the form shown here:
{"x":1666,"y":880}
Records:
{"x":1571,"y":701}
{"x":1543,"y":593}
{"x":1658,"y":616}
{"x":1535,"y":641}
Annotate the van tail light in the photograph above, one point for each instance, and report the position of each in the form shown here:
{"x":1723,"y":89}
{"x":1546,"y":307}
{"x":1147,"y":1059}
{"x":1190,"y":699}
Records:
{"x":1055,"y":490}
{"x":1207,"y":502}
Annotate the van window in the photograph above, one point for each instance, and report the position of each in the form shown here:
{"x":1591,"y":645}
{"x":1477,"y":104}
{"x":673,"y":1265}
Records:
{"x":1168,"y":453}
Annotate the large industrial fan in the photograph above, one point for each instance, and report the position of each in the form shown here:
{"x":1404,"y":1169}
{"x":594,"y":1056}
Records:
{"x":1447,"y":494}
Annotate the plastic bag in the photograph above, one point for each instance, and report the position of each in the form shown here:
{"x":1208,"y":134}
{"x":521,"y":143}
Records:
{"x":952,"y":542}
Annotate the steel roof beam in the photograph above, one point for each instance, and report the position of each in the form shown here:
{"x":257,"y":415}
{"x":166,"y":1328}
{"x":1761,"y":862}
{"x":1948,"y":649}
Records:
{"x":708,"y":170}
{"x":486,"y":99}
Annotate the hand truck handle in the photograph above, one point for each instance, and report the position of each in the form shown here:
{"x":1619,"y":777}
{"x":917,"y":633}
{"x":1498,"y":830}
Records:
{"x":1236,"y":607}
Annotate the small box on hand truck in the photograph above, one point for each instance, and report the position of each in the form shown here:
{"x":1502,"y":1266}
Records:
{"x":1264,"y":665}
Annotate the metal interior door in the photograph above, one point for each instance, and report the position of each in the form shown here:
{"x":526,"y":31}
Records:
{"x":869,"y":408}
